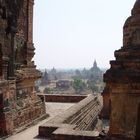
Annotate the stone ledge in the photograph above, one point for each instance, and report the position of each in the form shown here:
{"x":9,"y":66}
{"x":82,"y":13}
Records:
{"x":47,"y":129}
{"x":69,"y":134}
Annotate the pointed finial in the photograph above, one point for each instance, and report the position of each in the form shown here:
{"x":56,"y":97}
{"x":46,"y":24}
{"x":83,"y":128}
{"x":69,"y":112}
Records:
{"x":95,"y":63}
{"x":136,"y":8}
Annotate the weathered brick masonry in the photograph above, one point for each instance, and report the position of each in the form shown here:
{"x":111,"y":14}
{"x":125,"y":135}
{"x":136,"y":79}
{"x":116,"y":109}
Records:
{"x":19,"y":104}
{"x":123,"y":82}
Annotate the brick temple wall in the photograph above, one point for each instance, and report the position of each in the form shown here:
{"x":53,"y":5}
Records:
{"x":19,"y":104}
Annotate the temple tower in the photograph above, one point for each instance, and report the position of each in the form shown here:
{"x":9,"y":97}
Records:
{"x":123,"y":82}
{"x":19,"y":103}
{"x":95,"y":64}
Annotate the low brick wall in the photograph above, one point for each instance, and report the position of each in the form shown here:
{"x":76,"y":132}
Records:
{"x":63,"y":98}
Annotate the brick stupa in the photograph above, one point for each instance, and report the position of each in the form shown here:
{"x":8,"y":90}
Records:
{"x":123,"y":82}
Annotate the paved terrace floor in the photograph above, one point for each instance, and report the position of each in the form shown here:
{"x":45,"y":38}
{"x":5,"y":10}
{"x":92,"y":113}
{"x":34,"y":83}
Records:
{"x":31,"y":133}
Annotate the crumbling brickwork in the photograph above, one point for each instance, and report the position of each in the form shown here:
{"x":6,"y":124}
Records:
{"x":19,"y":104}
{"x":123,"y":82}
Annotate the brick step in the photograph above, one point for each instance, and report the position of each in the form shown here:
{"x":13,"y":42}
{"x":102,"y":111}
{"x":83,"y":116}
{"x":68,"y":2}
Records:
{"x":82,"y":114}
{"x":79,"y":117}
{"x":88,"y":120}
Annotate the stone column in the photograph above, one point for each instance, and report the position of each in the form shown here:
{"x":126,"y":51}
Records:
{"x":11,"y":67}
{"x":30,"y":45}
{"x":30,"y":21}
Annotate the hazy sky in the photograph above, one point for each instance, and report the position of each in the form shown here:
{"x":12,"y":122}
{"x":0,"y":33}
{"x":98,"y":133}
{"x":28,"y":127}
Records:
{"x":72,"y":33}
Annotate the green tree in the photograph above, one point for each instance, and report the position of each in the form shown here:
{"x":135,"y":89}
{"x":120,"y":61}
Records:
{"x":78,"y":85}
{"x":47,"y":91}
{"x":92,"y":86}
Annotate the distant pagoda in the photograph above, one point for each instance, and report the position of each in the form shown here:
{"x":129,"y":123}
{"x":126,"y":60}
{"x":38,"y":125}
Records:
{"x":95,"y":72}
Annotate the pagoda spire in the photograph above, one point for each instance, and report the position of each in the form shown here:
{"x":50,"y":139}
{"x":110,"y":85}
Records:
{"x":95,"y":64}
{"x":136,"y":8}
